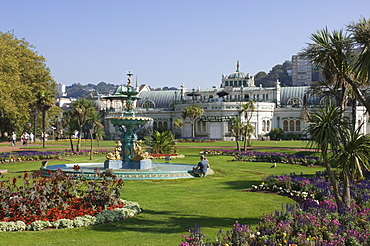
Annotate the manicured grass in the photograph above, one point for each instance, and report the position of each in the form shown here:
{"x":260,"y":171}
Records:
{"x":232,"y":144}
{"x":171,"y":207}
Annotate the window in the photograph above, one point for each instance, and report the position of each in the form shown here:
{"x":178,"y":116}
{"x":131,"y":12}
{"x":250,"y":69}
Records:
{"x":268,"y":126}
{"x":148,"y":104}
{"x":285,"y":125}
{"x":165,"y":125}
{"x":201,"y":126}
{"x":263,"y":125}
{"x":291,"y":125}
{"x":327,"y":100}
{"x":298,"y":125}
{"x":295,"y":101}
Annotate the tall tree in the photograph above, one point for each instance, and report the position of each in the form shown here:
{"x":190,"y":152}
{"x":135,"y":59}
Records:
{"x":70,"y":125}
{"x":81,"y":111}
{"x":237,"y":129}
{"x":326,"y":127}
{"x":94,"y":122}
{"x":247,"y":110}
{"x":352,"y":158}
{"x":45,"y":100}
{"x":23,"y":73}
{"x":177,"y":124}
{"x":334,"y":54}
{"x":361,"y":36}
{"x":193,"y":113}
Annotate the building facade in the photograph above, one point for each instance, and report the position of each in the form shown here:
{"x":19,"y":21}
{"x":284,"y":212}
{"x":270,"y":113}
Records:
{"x":275,"y":107}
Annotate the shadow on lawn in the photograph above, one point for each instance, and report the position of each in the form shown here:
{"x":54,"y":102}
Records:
{"x":174,"y":223}
{"x":242,"y":184}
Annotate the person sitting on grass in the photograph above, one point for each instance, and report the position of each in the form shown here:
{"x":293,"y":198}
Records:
{"x":202,"y":167}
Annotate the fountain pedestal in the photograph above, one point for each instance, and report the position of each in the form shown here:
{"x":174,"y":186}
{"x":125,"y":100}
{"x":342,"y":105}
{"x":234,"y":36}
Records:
{"x":132,"y":156}
{"x":119,"y":164}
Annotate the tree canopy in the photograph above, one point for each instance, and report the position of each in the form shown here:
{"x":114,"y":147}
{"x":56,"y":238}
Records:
{"x":23,"y":74}
{"x":193,"y":112}
{"x":278,"y":72}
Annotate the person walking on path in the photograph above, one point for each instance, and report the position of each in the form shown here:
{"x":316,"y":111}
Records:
{"x":14,"y":139}
{"x":32,"y":137}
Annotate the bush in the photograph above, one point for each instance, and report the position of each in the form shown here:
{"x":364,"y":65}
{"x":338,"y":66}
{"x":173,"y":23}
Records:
{"x":276,"y":134}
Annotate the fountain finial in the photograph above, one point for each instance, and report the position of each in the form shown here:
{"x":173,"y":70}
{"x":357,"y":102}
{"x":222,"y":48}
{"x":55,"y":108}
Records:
{"x":129,"y":74}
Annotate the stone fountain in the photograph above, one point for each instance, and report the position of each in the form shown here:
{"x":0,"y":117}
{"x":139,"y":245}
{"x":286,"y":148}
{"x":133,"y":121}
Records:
{"x":132,"y":156}
{"x":128,"y":161}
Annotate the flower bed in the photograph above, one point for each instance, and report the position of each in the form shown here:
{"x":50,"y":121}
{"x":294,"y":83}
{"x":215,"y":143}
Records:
{"x":8,"y":157}
{"x":256,"y":156}
{"x":313,"y":221}
{"x":61,"y":202}
{"x":163,"y":156}
{"x":196,"y":139}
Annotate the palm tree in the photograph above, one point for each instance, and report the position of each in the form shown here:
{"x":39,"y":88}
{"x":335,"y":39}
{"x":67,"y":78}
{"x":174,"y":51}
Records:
{"x":81,"y":112}
{"x":247,"y":131}
{"x":361,"y":36}
{"x":99,"y":134}
{"x":193,"y":113}
{"x":247,"y":110}
{"x":334,"y":54}
{"x":326,"y":128}
{"x":237,"y":130}
{"x":45,"y":100}
{"x":163,"y":142}
{"x":94,"y":121}
{"x":177,"y":124}
{"x":353,"y":158}
{"x":69,"y":125}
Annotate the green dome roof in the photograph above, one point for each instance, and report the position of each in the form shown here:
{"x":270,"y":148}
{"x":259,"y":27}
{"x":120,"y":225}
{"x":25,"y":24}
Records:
{"x":120,"y":90}
{"x":237,"y":75}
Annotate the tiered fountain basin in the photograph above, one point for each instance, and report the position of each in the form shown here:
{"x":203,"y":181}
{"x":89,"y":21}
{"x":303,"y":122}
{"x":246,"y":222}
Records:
{"x":130,"y":120}
{"x":158,"y":171}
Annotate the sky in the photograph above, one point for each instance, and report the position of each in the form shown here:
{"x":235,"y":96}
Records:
{"x":170,"y":42}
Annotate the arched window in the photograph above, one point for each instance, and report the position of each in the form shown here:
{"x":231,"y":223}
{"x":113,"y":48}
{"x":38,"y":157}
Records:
{"x":165,"y":125}
{"x":268,"y":126}
{"x":291,"y":125}
{"x":155,"y":125}
{"x":326,"y":100}
{"x":295,"y":102}
{"x":285,"y":125}
{"x":148,"y":104}
{"x":160,"y":125}
{"x":263,"y":125}
{"x":298,"y":125}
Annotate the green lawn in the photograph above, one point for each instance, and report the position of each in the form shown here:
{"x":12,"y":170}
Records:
{"x":171,"y":207}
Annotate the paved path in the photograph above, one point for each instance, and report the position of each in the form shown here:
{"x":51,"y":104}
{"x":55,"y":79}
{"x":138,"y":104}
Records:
{"x":20,"y":147}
